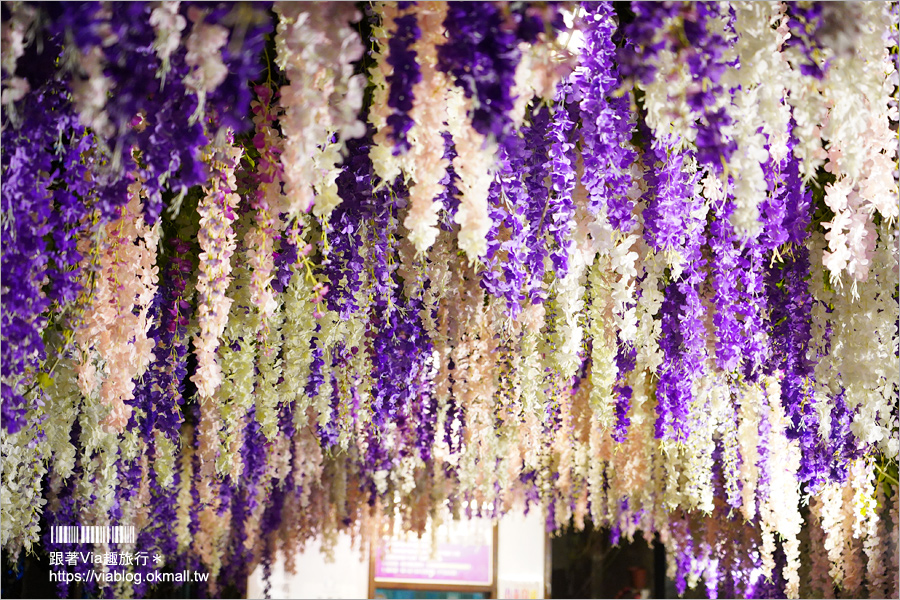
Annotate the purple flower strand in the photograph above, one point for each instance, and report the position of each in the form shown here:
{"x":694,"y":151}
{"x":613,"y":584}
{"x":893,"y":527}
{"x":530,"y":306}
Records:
{"x":561,"y":209}
{"x":625,"y":363}
{"x":606,"y":126}
{"x":741,"y":302}
{"x":623,"y":404}
{"x":536,"y":171}
{"x":701,"y":49}
{"x":673,"y":391}
{"x":449,"y":197}
{"x":707,"y":65}
{"x":169,"y":142}
{"x":45,"y":191}
{"x":384,"y":204}
{"x":531,"y":20}
{"x":69,"y":220}
{"x":343,"y":263}
{"x":230,"y":102}
{"x":752,"y":309}
{"x":400,"y":347}
{"x":670,"y":226}
{"x":330,"y":431}
{"x":806,"y":22}
{"x":505,"y":271}
{"x":64,"y":183}
{"x":316,"y":378}
{"x":158,"y":536}
{"x":24,"y":261}
{"x":791,"y":302}
{"x":668,"y":201}
{"x":481,"y":55}
{"x":284,"y":260}
{"x":843,"y":445}
{"x":160,"y":393}
{"x":731,"y":483}
{"x":405,"y":75}
{"x":684,"y":553}
{"x":724,"y":262}
{"x":636,"y":54}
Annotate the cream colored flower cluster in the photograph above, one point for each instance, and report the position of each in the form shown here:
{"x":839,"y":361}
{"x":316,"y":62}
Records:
{"x":426,"y":164}
{"x":12,"y":34}
{"x":474,"y":154}
{"x":856,"y":143}
{"x":385,"y":163}
{"x":760,"y":116}
{"x":316,"y":47}
{"x":217,"y":245}
{"x":859,"y":351}
{"x":204,"y":56}
{"x":168,"y":24}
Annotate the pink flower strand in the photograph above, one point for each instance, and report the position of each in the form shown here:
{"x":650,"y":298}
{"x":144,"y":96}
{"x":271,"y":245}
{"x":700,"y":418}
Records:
{"x":217,"y":244}
{"x":115,"y":326}
{"x":268,"y":203}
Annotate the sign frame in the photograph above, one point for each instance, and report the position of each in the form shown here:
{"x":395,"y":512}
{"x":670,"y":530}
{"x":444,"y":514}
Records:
{"x":489,"y":590}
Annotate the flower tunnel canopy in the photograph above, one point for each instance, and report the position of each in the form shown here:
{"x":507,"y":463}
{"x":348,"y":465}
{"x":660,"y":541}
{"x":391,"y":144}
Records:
{"x":273,"y":272}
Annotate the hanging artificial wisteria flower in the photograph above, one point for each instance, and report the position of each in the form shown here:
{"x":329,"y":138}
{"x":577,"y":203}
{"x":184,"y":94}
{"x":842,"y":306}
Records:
{"x":274,"y":272}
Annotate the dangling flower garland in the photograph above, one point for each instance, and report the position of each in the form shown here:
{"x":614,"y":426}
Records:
{"x":427,"y":114}
{"x":552,"y":293}
{"x":309,"y":42}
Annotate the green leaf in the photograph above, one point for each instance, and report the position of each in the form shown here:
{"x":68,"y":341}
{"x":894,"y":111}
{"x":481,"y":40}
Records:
{"x":44,"y":380}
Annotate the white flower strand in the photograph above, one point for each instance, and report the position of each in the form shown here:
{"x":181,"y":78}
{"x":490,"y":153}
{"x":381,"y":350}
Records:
{"x":603,"y":348}
{"x":874,"y":543}
{"x":316,"y":48}
{"x":473,"y":166}
{"x":235,"y":395}
{"x":297,"y":331}
{"x":12,"y":39}
{"x":425,"y":162}
{"x":204,"y":56}
{"x":832,"y":521}
{"x":781,"y":511}
{"x":89,"y":93}
{"x":862,"y":346}
{"x":217,"y":243}
{"x":895,"y":540}
{"x":820,"y":580}
{"x":749,"y":417}
{"x":168,"y":25}
{"x":862,"y":151}
{"x":759,"y":116}
{"x":706,"y":407}
{"x":384,"y":163}
{"x":20,"y":489}
{"x":570,"y":304}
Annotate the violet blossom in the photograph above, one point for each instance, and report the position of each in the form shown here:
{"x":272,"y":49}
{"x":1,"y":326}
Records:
{"x":606,"y":127}
{"x":481,"y":55}
{"x":405,"y":75}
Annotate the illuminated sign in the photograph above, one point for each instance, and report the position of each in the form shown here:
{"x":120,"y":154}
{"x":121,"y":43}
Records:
{"x":462,"y":555}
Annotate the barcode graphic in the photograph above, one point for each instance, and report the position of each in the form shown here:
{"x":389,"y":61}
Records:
{"x":93,"y":534}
